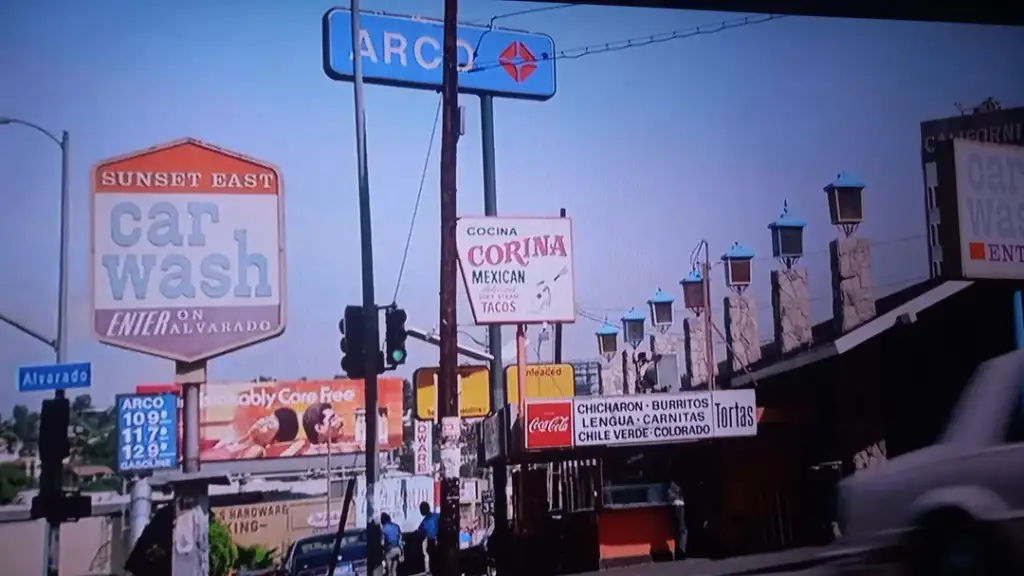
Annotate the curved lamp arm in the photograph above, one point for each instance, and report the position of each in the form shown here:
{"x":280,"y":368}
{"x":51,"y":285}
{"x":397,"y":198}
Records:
{"x":5,"y":120}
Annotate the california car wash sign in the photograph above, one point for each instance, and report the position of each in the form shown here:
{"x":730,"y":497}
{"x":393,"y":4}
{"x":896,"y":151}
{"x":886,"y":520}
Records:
{"x":658,"y":418}
{"x":987,"y":206}
{"x":187,"y":251}
{"x":518,"y":270}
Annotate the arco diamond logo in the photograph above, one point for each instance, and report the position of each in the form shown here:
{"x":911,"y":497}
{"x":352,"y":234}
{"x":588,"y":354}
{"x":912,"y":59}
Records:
{"x":518,"y":62}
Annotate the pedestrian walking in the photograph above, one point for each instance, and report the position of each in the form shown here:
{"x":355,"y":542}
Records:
{"x":428,"y":530}
{"x":391,"y":534}
{"x":675,"y":495}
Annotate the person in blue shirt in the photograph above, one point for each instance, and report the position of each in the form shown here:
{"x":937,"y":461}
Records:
{"x":428,"y":530}
{"x":392,"y":536}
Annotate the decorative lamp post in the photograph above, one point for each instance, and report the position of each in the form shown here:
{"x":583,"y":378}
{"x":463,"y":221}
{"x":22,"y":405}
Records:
{"x":661,"y":310}
{"x":608,"y":340}
{"x":787,"y":237}
{"x":737,"y":261}
{"x":846,"y":202}
{"x":693,"y":291}
{"x":633,"y":327}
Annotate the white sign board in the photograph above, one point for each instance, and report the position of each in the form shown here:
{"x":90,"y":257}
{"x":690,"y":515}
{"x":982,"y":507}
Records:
{"x":518,"y":270}
{"x":187,"y":251}
{"x":423,"y":448}
{"x":990,"y":205}
{"x":657,"y":418}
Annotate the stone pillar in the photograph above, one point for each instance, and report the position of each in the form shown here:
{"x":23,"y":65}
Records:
{"x":670,"y":347}
{"x":628,"y":370}
{"x":791,"y":309}
{"x":611,"y":375}
{"x":741,"y":331}
{"x":853,"y":301}
{"x":696,"y":352}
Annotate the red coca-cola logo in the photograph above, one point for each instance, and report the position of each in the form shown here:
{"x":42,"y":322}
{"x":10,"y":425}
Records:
{"x":549,"y":424}
{"x":553,"y":424}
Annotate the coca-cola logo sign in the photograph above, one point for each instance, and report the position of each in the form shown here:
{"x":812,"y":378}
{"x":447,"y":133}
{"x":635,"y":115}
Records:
{"x":549,"y":424}
{"x":552,"y":424}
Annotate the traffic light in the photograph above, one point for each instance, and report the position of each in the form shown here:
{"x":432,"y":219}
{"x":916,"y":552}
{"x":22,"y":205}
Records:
{"x":394,"y":336}
{"x":52,"y":502}
{"x":54,"y":420}
{"x":352,"y":361}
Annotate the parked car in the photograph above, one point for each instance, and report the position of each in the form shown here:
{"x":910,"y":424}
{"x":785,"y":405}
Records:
{"x":311,"y":556}
{"x":956,"y":507}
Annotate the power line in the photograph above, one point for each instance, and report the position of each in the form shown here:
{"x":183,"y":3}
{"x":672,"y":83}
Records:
{"x":494,"y":19}
{"x":433,"y":134}
{"x":490,"y":25}
{"x":416,"y":205}
{"x":640,"y":41}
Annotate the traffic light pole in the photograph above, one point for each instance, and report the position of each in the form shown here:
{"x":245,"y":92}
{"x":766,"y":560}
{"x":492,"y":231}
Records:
{"x":448,"y":396}
{"x":51,"y":487}
{"x":371,"y":343}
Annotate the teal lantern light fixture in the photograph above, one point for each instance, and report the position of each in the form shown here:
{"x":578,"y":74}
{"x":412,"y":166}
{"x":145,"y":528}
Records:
{"x":660,"y":306}
{"x":607,"y":340}
{"x":693,"y":291}
{"x":845,"y":202}
{"x":738,"y":259}
{"x":633,"y":327}
{"x":787,"y":237}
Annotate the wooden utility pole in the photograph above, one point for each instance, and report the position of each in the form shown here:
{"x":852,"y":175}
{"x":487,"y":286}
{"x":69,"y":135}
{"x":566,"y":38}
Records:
{"x":447,"y":561}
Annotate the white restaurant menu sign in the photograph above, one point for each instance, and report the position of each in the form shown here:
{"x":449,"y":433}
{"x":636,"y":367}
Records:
{"x":656,"y":418}
{"x":518,"y":270}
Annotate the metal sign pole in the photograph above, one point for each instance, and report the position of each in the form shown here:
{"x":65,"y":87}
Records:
{"x":371,"y":345}
{"x":499,"y":396}
{"x":191,"y":538}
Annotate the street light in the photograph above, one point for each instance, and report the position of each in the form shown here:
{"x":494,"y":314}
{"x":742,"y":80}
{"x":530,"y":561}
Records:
{"x":58,"y":344}
{"x":51,"y":546}
{"x":660,"y":306}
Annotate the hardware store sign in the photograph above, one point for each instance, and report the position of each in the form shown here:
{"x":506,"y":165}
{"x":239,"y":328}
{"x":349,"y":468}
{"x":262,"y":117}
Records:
{"x":655,"y":418}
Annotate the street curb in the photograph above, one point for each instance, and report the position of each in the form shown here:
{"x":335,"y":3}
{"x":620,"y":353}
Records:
{"x":794,"y":566}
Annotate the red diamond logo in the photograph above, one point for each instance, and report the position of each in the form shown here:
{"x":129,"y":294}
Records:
{"x":518,"y":62}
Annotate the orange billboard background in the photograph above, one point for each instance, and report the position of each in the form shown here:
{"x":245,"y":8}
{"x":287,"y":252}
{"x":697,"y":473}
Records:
{"x":283,"y":419}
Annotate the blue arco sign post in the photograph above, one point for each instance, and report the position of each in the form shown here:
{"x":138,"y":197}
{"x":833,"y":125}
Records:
{"x":405,"y":52}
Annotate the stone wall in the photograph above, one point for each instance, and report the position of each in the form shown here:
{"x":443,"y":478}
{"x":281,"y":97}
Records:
{"x":670,"y":347}
{"x":741,"y":331}
{"x":853,"y":301}
{"x":791,"y":309}
{"x":97,"y":545}
{"x":696,"y":353}
{"x":611,"y":374}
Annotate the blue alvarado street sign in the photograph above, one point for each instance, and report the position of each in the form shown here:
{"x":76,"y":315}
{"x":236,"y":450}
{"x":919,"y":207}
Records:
{"x":147,"y":432}
{"x":406,"y":52}
{"x":54,"y":377}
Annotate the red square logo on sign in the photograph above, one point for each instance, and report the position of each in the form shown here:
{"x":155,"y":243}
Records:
{"x":549,"y":424}
{"x":976,"y":250}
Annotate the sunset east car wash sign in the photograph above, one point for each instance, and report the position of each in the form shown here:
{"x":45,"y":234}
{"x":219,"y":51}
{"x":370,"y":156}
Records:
{"x":985,"y":209}
{"x":518,"y":270}
{"x":187,"y":251}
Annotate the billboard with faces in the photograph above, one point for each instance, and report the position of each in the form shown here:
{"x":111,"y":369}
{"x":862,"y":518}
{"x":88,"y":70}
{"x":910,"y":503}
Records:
{"x":286,"y":419}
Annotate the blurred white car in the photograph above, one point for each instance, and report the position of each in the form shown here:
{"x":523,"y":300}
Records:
{"x":956,"y":507}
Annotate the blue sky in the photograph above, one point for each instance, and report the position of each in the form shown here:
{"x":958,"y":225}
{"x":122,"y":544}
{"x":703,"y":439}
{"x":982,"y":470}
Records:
{"x":649,"y":149}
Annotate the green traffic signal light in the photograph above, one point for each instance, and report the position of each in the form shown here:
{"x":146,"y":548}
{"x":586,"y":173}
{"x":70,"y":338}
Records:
{"x":397,"y":356}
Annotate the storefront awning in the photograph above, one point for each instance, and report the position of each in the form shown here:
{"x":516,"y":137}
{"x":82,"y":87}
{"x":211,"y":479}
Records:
{"x":858,"y":335}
